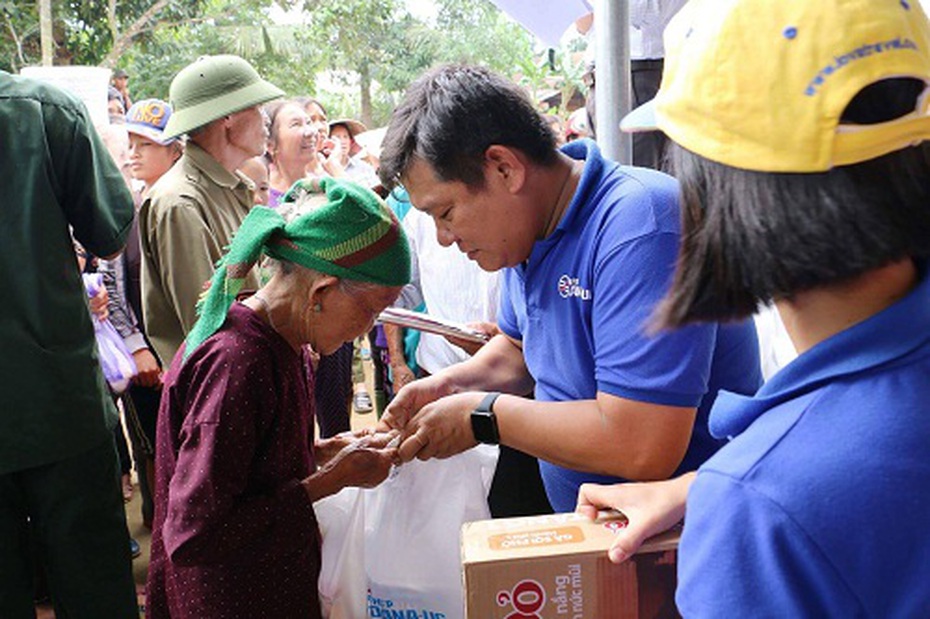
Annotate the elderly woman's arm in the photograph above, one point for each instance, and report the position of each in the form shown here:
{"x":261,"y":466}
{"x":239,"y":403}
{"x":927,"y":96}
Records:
{"x":232,"y":496}
{"x":216,"y":512}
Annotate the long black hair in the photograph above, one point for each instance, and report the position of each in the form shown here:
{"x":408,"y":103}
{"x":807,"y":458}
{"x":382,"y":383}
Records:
{"x":750,"y":237}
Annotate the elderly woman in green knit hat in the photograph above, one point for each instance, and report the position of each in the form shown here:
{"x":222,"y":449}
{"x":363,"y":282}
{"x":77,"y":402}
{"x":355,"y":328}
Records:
{"x":235,"y":532}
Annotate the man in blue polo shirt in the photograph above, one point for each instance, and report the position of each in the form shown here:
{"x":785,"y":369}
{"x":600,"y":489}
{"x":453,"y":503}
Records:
{"x":589,"y":248}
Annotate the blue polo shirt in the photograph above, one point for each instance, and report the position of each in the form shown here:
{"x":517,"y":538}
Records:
{"x":820,"y":505}
{"x":581,"y":305}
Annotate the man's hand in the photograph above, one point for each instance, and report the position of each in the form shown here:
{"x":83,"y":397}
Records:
{"x":650,"y":508}
{"x":149,"y":374}
{"x":411,"y":399}
{"x":440,"y":429}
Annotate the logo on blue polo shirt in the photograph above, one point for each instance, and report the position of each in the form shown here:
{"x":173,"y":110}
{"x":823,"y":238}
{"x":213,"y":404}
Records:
{"x":569,"y":287}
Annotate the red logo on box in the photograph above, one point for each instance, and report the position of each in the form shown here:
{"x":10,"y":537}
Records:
{"x":528,"y":598}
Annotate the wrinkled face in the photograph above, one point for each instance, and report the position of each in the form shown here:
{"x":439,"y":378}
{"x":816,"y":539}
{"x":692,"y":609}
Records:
{"x":477,"y":221}
{"x":293,"y":136}
{"x":319,"y":122}
{"x":246,"y":131}
{"x":348,"y":316}
{"x":148,"y":160}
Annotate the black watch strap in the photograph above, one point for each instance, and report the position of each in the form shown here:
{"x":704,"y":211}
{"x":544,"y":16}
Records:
{"x":484,"y":422}
{"x":487,"y":402}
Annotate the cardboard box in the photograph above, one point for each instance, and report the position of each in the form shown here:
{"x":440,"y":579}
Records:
{"x":555,"y":566}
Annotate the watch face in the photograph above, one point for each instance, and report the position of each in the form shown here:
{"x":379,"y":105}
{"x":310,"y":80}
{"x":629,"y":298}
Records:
{"x":484,"y":427}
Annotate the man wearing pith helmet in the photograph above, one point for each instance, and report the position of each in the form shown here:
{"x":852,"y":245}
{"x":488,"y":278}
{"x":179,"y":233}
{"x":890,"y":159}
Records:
{"x":194,"y":209}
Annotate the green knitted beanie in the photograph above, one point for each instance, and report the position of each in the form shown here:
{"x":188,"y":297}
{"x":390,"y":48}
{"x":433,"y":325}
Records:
{"x":352,"y":235}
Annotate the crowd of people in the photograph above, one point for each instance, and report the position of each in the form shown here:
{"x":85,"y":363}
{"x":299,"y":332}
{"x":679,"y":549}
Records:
{"x":622,"y":367}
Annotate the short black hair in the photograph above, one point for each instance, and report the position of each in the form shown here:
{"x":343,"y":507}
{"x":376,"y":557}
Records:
{"x":751,"y":237}
{"x":451,"y":115}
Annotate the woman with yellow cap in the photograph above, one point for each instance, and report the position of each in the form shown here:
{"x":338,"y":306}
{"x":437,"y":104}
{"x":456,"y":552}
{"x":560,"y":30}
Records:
{"x":799,"y":134}
{"x":235,"y":533}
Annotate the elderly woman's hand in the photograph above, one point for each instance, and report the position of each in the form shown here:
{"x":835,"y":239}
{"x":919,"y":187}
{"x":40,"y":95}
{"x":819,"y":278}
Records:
{"x":369,"y":460}
{"x":364,"y":462}
{"x":332,"y":158}
{"x":325,"y":449}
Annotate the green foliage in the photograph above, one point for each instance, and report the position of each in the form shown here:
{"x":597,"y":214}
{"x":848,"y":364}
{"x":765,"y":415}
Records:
{"x":88,"y":34}
{"x":153,"y":64}
{"x":370,"y":49}
{"x":19,"y":34}
{"x":475,"y":31}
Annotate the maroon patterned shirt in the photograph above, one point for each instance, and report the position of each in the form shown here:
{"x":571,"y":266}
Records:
{"x":235,"y":533}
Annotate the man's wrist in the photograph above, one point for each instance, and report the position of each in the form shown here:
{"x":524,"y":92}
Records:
{"x":484,"y":421}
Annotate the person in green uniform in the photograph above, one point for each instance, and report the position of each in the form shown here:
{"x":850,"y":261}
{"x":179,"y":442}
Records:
{"x":58,"y":464}
{"x":191,"y":213}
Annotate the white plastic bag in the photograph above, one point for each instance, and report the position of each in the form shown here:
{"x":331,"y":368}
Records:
{"x":343,"y":583}
{"x":410,"y":540}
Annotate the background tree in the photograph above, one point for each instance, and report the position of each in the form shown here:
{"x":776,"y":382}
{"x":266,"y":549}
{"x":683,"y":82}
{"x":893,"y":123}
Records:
{"x":357,"y":56}
{"x":363,"y":36}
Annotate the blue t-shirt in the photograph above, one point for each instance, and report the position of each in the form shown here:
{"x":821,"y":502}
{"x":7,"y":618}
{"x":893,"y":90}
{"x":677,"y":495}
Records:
{"x":582,"y":302}
{"x":820,"y":505}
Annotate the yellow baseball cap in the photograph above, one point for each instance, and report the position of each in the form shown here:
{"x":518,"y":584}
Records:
{"x":761,"y":84}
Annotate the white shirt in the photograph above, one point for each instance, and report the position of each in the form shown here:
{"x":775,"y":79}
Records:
{"x":454,"y":288}
{"x":360,"y":171}
{"x":648,"y":19}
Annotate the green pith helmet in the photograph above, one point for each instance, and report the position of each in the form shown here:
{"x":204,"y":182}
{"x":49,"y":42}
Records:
{"x":212,"y":87}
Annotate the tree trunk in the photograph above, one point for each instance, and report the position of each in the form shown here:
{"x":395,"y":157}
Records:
{"x":45,"y":32}
{"x":111,"y":21}
{"x":365,"y":87}
{"x":124,"y":41}
{"x":18,"y":42}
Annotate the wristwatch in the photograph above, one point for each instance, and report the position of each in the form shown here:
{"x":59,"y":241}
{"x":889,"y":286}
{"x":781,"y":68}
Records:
{"x":483,"y":421}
